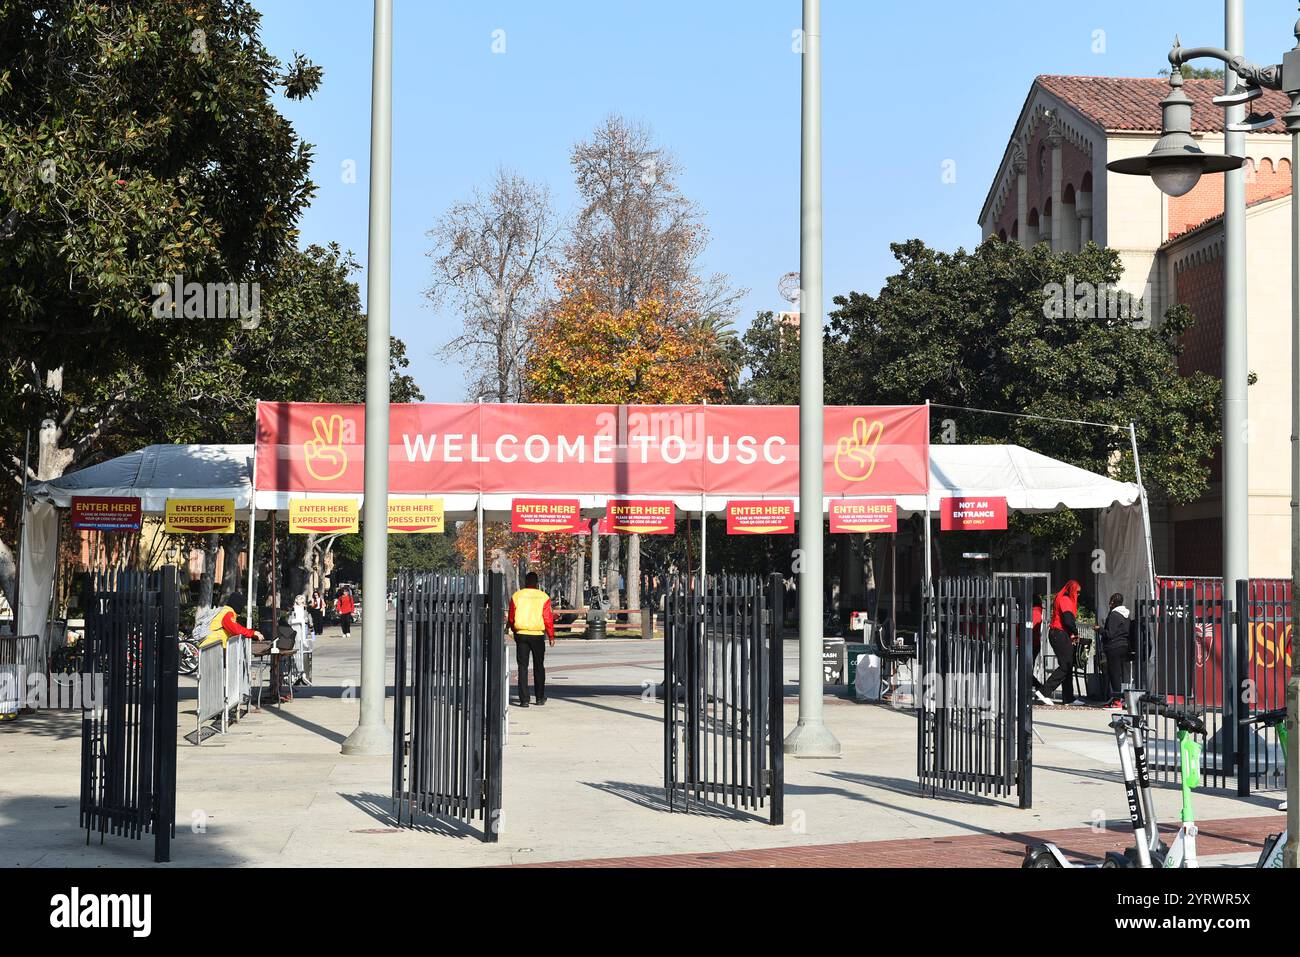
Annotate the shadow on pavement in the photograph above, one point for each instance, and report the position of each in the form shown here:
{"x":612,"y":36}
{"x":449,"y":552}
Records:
{"x":44,"y":831}
{"x":654,"y":798}
{"x":578,"y":699}
{"x":320,"y":730}
{"x":59,"y":725}
{"x":380,"y":807}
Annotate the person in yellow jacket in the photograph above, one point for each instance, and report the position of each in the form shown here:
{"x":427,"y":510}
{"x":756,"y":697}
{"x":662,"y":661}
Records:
{"x":533,"y":623}
{"x":224,"y":624}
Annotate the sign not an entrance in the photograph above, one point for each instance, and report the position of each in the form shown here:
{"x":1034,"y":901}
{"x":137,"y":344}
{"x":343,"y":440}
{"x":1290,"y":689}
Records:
{"x":975,"y":514}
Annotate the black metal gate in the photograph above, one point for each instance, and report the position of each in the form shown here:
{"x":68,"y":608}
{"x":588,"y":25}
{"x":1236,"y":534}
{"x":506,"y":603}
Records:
{"x":128,"y":723}
{"x":1179,"y":654}
{"x":975,"y":719}
{"x":723,"y":694}
{"x":449,"y":710}
{"x":1183,"y":652}
{"x":1264,"y":650}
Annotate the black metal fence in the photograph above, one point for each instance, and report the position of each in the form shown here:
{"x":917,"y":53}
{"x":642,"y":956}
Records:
{"x":975,"y":719}
{"x":1224,"y":656}
{"x":1264,"y":649}
{"x":723,"y":694}
{"x":128,"y":725}
{"x":1179,"y":653}
{"x":448,"y":711}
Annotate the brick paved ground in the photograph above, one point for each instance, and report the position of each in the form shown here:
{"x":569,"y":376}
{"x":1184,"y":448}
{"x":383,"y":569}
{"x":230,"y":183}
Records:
{"x":1232,"y":836}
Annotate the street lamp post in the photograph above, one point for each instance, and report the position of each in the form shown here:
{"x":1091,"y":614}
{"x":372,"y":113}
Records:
{"x":810,"y":737}
{"x":370,"y":735}
{"x":1176,"y":165}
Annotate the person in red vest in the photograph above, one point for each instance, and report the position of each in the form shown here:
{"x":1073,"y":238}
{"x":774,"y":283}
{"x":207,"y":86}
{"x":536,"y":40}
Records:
{"x":345,"y":606}
{"x":532,"y":622}
{"x":1063,"y":636}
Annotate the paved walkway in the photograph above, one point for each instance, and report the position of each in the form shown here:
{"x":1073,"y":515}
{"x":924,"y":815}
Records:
{"x":1232,"y":842}
{"x":583,"y":782}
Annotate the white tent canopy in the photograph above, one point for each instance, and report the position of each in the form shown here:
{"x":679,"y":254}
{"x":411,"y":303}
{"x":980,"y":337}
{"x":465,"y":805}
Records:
{"x":1029,"y":481}
{"x":159,"y":472}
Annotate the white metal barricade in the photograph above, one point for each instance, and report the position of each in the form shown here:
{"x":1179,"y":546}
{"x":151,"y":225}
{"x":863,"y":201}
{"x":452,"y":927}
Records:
{"x":20,"y":658}
{"x":224,"y":682}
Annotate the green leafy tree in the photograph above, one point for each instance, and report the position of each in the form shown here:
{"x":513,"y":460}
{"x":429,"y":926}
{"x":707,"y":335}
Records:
{"x":991,"y":329}
{"x":139,"y":142}
{"x":770,"y":351}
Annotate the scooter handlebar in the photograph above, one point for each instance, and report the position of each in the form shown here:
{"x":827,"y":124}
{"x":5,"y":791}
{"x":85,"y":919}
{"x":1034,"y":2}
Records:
{"x":1186,"y":721}
{"x":1269,"y":718}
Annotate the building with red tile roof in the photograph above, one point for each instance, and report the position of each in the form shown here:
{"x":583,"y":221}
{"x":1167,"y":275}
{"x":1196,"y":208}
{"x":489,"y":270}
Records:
{"x":1053,"y":186}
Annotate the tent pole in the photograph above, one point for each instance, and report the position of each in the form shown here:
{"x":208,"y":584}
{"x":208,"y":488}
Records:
{"x":251,"y":599}
{"x":929,"y":570}
{"x":22,"y":527}
{"x":275,"y":580}
{"x":704,"y":539}
{"x":480,"y":543}
{"x":1146,"y":513}
{"x":479,"y":509}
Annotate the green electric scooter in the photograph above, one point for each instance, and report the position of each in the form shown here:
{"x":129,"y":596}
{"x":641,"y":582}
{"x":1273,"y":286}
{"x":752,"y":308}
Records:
{"x":1182,"y":852}
{"x":1274,"y":844}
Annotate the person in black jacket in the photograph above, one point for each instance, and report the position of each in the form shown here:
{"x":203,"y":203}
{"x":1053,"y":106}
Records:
{"x":1116,"y":645}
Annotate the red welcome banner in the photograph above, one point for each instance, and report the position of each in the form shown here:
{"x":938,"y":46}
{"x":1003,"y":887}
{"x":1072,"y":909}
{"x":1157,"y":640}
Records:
{"x":760,"y":518}
{"x":639,"y":518}
{"x":545,"y":515}
{"x":593,"y":449}
{"x":105,"y":513}
{"x":851,"y":516}
{"x":975,"y":514}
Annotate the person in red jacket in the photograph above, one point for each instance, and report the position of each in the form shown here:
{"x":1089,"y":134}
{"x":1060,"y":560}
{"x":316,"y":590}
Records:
{"x":532,"y":621}
{"x":345,"y":606}
{"x":1063,"y":636}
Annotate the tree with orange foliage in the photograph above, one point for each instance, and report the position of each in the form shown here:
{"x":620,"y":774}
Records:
{"x":653,"y":353}
{"x":585,"y":351}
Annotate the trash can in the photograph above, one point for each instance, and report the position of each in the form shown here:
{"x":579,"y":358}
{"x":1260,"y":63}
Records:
{"x":595,"y":628}
{"x":852,"y":651}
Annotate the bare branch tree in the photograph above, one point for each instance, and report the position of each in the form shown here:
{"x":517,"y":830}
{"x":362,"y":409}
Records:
{"x":636,"y":236}
{"x":491,"y":258}
{"x":636,"y":233}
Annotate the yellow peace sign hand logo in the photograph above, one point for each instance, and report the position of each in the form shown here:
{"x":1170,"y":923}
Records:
{"x":326,"y":459}
{"x":855,"y":454}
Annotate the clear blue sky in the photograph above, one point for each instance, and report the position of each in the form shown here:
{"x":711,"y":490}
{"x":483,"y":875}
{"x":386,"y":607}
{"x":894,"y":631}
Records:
{"x":718,"y":83}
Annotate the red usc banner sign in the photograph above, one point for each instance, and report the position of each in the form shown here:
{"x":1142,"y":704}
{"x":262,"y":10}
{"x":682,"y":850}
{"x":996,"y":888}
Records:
{"x":639,"y":518}
{"x":764,"y":517}
{"x":856,"y":515}
{"x":593,"y":449}
{"x":973,"y":514}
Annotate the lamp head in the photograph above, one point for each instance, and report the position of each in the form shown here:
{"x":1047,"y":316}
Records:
{"x":1176,"y":164}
